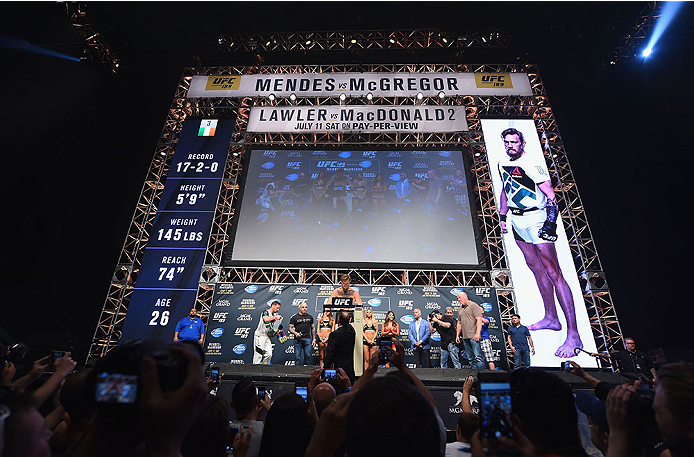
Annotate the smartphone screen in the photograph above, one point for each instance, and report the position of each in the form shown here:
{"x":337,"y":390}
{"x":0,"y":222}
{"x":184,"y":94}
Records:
{"x":261,"y":393}
{"x":58,"y":354}
{"x":383,"y":354}
{"x":495,"y":408}
{"x":214,"y":374}
{"x":233,"y":430}
{"x":329,"y":374}
{"x":116,"y":388}
{"x":302,"y":390}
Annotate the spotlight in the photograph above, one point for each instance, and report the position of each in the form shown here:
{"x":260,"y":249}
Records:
{"x":308,"y":42}
{"x":420,"y":95}
{"x":647,"y":52}
{"x":444,"y":40}
{"x":442,"y":94}
{"x":271,"y":97}
{"x":353,"y":41}
{"x":392,"y":41}
{"x":369,"y":96}
{"x":292,"y":96}
{"x":235,"y":154}
{"x":343,"y":96}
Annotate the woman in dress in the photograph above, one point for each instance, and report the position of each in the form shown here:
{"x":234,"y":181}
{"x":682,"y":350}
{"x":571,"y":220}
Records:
{"x":378,"y":194}
{"x":370,"y":333}
{"x":325,"y":325}
{"x":390,"y":328}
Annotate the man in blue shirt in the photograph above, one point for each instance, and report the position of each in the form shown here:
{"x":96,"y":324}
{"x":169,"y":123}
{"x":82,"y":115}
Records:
{"x":518,"y":339}
{"x":190,"y":328}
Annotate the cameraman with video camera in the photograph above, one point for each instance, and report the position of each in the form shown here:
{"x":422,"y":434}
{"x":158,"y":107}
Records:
{"x":446,"y":326}
{"x":630,"y":414}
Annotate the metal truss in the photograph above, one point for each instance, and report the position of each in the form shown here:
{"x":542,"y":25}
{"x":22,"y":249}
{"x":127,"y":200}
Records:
{"x":603,"y":319}
{"x":361,"y":40}
{"x":636,"y":36}
{"x":96,"y":48}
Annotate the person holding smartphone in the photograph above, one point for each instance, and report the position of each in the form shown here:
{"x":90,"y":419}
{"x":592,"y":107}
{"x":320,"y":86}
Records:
{"x":248,"y":407}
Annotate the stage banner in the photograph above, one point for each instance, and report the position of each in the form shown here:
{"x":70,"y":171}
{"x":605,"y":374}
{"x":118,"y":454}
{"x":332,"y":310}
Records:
{"x":360,"y":84}
{"x":168,"y":278}
{"x":236,"y":310}
{"x":545,"y":282}
{"x":357,"y":119}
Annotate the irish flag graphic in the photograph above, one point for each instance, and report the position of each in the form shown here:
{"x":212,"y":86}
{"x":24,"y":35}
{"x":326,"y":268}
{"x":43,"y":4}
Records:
{"x":207,"y":127}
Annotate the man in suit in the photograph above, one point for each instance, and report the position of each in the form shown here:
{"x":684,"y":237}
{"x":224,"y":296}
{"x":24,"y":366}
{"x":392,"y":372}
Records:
{"x":419,"y":334}
{"x":340,"y":350}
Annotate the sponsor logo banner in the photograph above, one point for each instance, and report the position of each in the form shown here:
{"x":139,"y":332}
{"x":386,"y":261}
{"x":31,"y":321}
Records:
{"x":361,"y":119}
{"x":360,"y":84}
{"x":234,"y":318}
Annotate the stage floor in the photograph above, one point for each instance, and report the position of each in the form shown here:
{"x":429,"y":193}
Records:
{"x":449,"y":377}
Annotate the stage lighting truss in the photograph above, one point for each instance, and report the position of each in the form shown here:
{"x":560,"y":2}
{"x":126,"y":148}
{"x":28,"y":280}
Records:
{"x":603,"y":319}
{"x":362,"y":40}
{"x":633,"y":41}
{"x":96,"y":49}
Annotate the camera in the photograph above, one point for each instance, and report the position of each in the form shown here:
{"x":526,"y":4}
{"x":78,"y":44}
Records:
{"x":262,"y":392}
{"x":384,"y":344}
{"x":432,"y":315}
{"x":566,"y":366}
{"x":329,"y":374}
{"x":214,"y":374}
{"x":301,"y":388}
{"x":114,"y":381}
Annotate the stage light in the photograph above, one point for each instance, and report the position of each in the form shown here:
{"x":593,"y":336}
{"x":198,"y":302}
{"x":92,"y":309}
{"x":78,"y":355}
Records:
{"x":271,"y":97}
{"x":343,"y":97}
{"x":353,"y":41}
{"x":292,"y":96}
{"x":442,"y":94}
{"x":308,"y":42}
{"x":369,"y":96}
{"x":392,"y":41}
{"x":420,"y":95}
{"x":666,"y":16}
{"x":444,"y":40}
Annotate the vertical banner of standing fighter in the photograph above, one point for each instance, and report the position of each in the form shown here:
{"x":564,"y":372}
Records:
{"x":548,"y":295}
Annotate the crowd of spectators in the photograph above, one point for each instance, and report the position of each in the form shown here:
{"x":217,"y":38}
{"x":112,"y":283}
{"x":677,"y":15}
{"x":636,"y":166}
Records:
{"x":148,"y":398}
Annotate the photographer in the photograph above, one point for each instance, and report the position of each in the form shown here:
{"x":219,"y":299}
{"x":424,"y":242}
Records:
{"x":630,"y":417}
{"x":169,"y":393}
{"x":446,"y":326}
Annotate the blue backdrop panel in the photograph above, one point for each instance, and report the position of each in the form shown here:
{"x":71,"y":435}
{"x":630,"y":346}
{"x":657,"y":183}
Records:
{"x":181,"y":229}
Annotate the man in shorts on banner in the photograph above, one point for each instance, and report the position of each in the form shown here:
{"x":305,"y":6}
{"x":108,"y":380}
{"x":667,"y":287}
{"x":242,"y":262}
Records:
{"x":528,"y":194}
{"x":268,"y":326}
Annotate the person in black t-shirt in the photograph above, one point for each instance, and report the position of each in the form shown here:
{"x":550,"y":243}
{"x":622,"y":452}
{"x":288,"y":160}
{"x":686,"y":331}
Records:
{"x":630,"y":361}
{"x":301,"y":326}
{"x":446,"y":326}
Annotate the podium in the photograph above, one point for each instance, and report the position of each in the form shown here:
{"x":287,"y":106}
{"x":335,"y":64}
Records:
{"x":357,"y":311}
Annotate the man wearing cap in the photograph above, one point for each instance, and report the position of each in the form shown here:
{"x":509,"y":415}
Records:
{"x":268,"y":325}
{"x":595,"y":410}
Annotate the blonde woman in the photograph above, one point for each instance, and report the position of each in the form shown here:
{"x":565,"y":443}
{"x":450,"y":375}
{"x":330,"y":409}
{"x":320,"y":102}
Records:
{"x":370,"y":334}
{"x":324,"y":326}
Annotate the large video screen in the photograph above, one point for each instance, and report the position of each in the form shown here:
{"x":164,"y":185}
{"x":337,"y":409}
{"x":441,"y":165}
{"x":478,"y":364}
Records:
{"x":548,"y":294}
{"x":347,"y":206}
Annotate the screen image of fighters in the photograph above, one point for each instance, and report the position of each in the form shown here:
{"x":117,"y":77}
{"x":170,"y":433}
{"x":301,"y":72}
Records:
{"x":547,"y":292}
{"x":356,"y":206}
